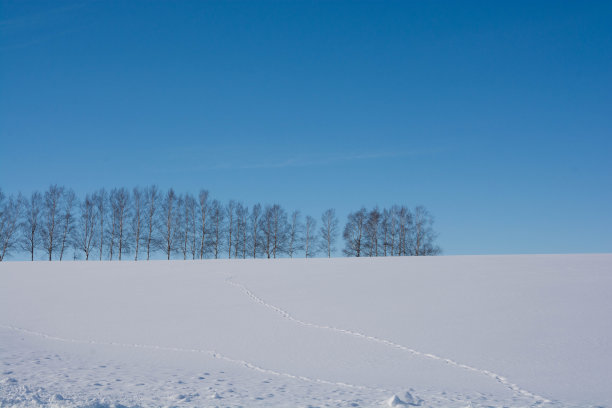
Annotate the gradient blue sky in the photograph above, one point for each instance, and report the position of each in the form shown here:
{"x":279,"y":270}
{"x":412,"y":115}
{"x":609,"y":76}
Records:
{"x":496,"y":116}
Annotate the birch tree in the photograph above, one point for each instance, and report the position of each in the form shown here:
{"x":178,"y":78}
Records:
{"x":182,"y":226}
{"x":310,"y":237}
{"x":353,"y":233}
{"x":217,"y":227}
{"x":295,"y":234}
{"x":203,"y":212}
{"x":51,"y":219}
{"x":85,"y":232}
{"x":229,"y":213}
{"x":266,"y":230}
{"x":30,"y":226}
{"x":423,"y":234}
{"x":168,"y":227}
{"x":404,"y":228}
{"x":67,"y":220}
{"x":137,"y":219}
{"x":329,"y":231}
{"x":372,"y":232}
{"x":10,"y":209}
{"x":100,"y":198}
{"x":119,"y":203}
{"x":191,"y":208}
{"x":254,"y":223}
{"x":187,"y":210}
{"x":279,"y":230}
{"x":151,"y":195}
{"x":240,"y":231}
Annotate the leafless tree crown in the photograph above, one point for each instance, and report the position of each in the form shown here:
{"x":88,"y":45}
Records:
{"x":148,"y":222}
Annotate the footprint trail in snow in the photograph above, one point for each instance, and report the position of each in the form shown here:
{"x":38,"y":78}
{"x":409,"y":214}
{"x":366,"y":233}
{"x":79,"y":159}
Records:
{"x":499,"y":378}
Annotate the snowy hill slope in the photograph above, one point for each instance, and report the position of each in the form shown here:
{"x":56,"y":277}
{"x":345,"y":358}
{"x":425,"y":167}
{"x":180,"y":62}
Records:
{"x":444,"y":331}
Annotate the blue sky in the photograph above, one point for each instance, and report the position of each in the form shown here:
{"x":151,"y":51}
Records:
{"x":496,"y":116}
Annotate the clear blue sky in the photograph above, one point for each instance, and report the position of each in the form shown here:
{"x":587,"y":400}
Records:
{"x":496,"y":116}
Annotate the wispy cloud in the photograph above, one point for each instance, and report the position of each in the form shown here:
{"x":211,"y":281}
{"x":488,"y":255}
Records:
{"x":32,"y":29}
{"x":43,"y":17}
{"x":318,"y":160}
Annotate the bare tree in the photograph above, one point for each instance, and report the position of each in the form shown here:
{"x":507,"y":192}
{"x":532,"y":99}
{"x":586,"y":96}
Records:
{"x":191,"y":208}
{"x":217,"y":226}
{"x":280,"y":230}
{"x":30,"y":226}
{"x":51,"y":218}
{"x":182,"y":226}
{"x":295,"y":234}
{"x":229,"y":212}
{"x":396,"y":231}
{"x":372,"y":232}
{"x":404,"y":227}
{"x":244,"y":216}
{"x":84,"y":235}
{"x":100,"y":198}
{"x":329,"y":231}
{"x":237,"y":241}
{"x":151,"y":194}
{"x":169,"y":223}
{"x":393,"y":230}
{"x":203,"y":211}
{"x":67,"y":219}
{"x":198,"y":227}
{"x":113,"y":227}
{"x":254,"y":222}
{"x":353,"y":233}
{"x":266,"y":229}
{"x":384,"y":230}
{"x":187,"y":205}
{"x":240,"y":230}
{"x":137,"y":219}
{"x":120,"y":208}
{"x":275,"y":230}
{"x":310,"y":237}
{"x":9,"y":223}
{"x":123,"y":205}
{"x":423,"y":233}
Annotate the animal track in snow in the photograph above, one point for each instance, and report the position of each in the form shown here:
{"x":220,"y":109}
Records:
{"x":499,"y":378}
{"x":211,"y":353}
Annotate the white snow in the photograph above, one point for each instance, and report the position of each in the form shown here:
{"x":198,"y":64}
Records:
{"x":480,"y":331}
{"x":409,"y":400}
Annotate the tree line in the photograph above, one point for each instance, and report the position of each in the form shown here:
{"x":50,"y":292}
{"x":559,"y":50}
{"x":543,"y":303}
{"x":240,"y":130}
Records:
{"x":141,"y":222}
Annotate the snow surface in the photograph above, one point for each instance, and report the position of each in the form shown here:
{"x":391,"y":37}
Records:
{"x":479,"y":331}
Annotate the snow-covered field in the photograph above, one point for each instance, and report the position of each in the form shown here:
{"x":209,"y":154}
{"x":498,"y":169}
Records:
{"x":450,"y":331}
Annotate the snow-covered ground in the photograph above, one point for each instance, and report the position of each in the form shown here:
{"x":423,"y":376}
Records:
{"x":450,"y":331}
